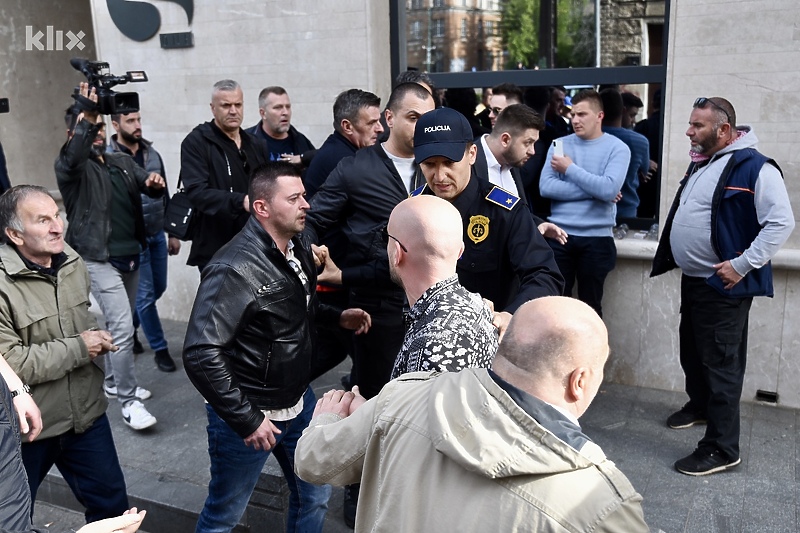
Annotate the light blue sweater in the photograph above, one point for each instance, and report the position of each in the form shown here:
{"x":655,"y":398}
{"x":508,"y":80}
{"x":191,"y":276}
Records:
{"x":582,"y":198}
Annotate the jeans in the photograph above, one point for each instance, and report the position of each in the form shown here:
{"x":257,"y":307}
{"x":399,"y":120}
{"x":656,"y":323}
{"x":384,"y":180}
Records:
{"x":115,"y":292}
{"x":587,"y":260}
{"x":88,"y":461}
{"x":713,"y":347}
{"x":235,"y":469}
{"x":152,"y":284}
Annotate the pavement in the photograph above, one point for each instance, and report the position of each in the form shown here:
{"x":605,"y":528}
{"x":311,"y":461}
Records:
{"x":166,"y":467}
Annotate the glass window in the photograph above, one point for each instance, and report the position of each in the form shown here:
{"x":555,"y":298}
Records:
{"x":545,"y":43}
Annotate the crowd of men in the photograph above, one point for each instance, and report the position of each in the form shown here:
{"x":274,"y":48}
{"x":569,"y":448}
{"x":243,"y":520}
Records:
{"x":412,"y":241}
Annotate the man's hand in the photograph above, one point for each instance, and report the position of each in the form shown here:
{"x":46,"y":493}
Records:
{"x":30,"y":418}
{"x":321,"y":254}
{"x":128,"y":522}
{"x":154,"y":181}
{"x":98,"y":342}
{"x":339,"y":402}
{"x":501,"y":321}
{"x":246,"y":203}
{"x":727,"y":274}
{"x":560,"y":163}
{"x":650,"y":172}
{"x":263,"y":438}
{"x":551,"y":231}
{"x":173,"y":245}
{"x":291,"y":158}
{"x":617,"y":198}
{"x":90,"y":93}
{"x":355,"y":319}
{"x":331,"y":273}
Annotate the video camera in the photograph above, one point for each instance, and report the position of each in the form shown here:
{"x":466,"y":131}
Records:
{"x":108,"y":101}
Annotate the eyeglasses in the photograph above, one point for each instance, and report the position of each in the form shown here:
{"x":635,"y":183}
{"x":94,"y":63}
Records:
{"x":702,"y":101}
{"x":385,"y":235}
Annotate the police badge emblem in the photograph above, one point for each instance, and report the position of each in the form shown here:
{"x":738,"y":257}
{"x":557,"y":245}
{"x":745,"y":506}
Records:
{"x":478,"y":228}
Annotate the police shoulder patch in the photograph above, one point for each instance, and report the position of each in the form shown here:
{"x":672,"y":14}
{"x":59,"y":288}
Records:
{"x":502,"y":197}
{"x":417,"y":191}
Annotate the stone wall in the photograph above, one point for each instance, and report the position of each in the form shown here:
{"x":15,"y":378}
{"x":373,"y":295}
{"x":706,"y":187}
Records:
{"x":38,"y":82}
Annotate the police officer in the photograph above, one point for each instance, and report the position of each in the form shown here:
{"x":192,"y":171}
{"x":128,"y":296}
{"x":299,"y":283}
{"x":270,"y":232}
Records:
{"x":506,"y":259}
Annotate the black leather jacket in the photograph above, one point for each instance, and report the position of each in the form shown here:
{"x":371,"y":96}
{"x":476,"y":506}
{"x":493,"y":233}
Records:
{"x":249,"y":341}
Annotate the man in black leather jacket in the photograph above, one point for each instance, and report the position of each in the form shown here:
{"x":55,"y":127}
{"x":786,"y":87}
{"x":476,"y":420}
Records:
{"x":249,"y":347}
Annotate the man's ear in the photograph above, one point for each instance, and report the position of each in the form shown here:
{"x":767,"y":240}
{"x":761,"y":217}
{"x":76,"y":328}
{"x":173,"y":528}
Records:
{"x":14,"y":236}
{"x":347,"y":126}
{"x":260,"y":208}
{"x":577,"y":383}
{"x":389,"y":116}
{"x":505,"y":138}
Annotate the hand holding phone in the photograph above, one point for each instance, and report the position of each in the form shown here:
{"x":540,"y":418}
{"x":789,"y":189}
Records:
{"x":558,"y":147}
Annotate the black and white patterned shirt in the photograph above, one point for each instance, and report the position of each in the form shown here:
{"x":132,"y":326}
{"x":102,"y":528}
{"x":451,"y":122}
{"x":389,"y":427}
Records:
{"x":449,"y":329}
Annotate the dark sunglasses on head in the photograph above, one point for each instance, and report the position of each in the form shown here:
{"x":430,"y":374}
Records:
{"x":702,"y":101}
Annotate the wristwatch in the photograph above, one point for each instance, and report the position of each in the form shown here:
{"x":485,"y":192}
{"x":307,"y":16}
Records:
{"x":24,"y":390}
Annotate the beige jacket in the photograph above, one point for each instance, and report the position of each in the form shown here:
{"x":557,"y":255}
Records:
{"x":41,"y":319}
{"x":454,"y":452}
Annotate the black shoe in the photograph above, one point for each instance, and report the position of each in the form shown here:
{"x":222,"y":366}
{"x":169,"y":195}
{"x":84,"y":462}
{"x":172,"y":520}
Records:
{"x":685,"y":418}
{"x":164,"y":362}
{"x":704,"y":462}
{"x":137,"y":346}
{"x":350,"y":503}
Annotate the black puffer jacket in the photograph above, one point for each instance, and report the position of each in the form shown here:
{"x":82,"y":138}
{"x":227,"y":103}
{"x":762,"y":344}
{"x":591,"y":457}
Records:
{"x":216,"y":178}
{"x":249,"y":344}
{"x":86,"y":188}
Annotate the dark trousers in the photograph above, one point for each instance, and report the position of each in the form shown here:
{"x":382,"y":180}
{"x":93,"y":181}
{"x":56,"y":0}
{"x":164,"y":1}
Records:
{"x":587,"y":260}
{"x":334,"y":343}
{"x":374,"y":352}
{"x":88,"y":461}
{"x":713,"y":345}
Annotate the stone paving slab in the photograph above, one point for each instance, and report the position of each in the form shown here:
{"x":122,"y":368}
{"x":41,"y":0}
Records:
{"x":167,"y":467}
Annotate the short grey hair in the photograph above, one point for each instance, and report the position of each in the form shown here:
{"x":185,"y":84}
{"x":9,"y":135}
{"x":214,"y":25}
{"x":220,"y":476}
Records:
{"x":9,"y":201}
{"x":225,"y":86}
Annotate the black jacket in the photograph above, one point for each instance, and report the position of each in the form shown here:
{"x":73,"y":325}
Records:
{"x":216,"y":181}
{"x":152,"y":208}
{"x":85,"y":186}
{"x":304,"y":148}
{"x":248,"y":343}
{"x":511,"y":263}
{"x":335,"y":148}
{"x":359,"y":196}
{"x":481,"y":169}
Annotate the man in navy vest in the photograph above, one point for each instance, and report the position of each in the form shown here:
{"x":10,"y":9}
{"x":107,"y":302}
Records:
{"x":730,"y":216}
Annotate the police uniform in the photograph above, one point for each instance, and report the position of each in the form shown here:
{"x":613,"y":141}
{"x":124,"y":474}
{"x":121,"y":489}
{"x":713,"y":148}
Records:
{"x":506,"y":259}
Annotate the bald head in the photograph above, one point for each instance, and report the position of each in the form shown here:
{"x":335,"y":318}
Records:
{"x":430,"y":226}
{"x":547,"y":341}
{"x":431,"y":231}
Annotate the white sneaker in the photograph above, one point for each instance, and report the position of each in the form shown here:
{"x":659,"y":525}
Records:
{"x":136,"y":416}
{"x":140,"y":394}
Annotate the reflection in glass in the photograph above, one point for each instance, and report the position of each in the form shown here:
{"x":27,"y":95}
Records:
{"x":478,"y":35}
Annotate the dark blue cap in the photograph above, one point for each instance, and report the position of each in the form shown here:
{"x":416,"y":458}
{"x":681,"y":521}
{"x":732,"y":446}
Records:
{"x":441,"y":132}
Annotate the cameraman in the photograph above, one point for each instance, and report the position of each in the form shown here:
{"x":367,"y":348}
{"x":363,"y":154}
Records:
{"x":101,"y":194}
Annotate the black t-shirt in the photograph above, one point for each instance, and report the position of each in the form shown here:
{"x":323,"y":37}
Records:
{"x":278,"y":147}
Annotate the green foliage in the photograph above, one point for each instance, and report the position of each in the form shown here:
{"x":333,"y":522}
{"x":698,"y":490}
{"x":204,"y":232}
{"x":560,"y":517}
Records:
{"x":575,"y":32}
{"x":520,"y":25}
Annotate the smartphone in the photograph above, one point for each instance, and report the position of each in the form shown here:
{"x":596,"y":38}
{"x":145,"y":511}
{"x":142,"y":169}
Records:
{"x":3,"y":105}
{"x":558,"y":148}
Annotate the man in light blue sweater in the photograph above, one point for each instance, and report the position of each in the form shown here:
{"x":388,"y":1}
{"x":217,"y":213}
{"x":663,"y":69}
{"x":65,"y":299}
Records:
{"x":583,"y":185}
